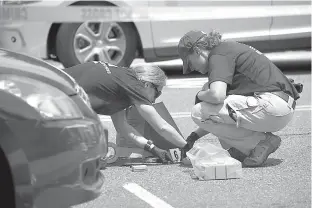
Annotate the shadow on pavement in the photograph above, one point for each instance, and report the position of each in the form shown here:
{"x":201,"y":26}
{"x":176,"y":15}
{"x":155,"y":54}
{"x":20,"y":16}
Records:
{"x":127,"y":162}
{"x":269,"y":163}
{"x":272,"y":162}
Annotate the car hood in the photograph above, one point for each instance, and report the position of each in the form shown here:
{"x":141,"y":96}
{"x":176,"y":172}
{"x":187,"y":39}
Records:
{"x":23,"y":65}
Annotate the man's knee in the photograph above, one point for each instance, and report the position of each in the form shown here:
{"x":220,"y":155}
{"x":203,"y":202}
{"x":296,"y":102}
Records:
{"x":206,"y":112}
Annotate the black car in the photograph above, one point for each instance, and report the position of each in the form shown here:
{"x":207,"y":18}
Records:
{"x":52,"y":143}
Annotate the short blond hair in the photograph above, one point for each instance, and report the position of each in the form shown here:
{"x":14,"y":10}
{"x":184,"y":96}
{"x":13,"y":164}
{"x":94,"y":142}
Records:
{"x":151,"y":73}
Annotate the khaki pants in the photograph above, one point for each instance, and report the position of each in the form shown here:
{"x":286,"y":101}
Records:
{"x":263,"y":112}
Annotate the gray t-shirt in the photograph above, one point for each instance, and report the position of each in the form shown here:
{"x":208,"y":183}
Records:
{"x":116,"y":87}
{"x":246,"y":70}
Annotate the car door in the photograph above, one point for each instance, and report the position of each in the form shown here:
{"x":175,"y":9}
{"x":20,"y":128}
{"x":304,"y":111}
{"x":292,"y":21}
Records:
{"x":236,"y":20}
{"x":291,"y":25}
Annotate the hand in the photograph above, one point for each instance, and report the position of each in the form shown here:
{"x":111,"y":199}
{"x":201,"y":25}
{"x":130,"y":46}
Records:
{"x":205,"y":86}
{"x":164,"y":155}
{"x":197,"y":100}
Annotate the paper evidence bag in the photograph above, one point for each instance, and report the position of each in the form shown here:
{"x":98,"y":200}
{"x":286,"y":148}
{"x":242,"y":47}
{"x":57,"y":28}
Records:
{"x":144,"y":128}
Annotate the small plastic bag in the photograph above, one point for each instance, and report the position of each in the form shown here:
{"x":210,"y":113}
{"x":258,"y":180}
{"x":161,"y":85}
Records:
{"x":211,"y":162}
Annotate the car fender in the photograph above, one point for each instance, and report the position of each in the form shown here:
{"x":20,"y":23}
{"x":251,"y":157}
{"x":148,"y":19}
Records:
{"x":11,"y":115}
{"x":19,"y":166}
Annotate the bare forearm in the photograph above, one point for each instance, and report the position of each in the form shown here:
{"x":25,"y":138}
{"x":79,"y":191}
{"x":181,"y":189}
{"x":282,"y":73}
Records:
{"x":209,"y":96}
{"x":131,"y":133}
{"x":160,"y":125}
{"x":171,"y":135}
{"x":168,"y":132}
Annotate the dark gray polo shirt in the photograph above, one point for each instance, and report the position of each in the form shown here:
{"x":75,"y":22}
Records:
{"x":246,"y":71}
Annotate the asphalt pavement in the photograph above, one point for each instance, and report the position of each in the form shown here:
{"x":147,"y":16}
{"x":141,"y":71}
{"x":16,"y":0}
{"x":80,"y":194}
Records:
{"x":284,"y":180}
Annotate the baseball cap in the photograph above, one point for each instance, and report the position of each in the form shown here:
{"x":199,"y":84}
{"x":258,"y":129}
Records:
{"x":186,"y":43}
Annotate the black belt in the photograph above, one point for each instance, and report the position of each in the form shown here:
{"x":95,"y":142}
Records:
{"x":286,"y":97}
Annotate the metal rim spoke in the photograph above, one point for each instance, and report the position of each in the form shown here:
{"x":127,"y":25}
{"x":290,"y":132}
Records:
{"x":100,"y":41}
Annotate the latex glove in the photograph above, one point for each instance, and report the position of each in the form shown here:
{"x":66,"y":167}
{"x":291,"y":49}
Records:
{"x":164,"y":155}
{"x":190,"y":140}
{"x":197,"y":100}
{"x":204,"y":88}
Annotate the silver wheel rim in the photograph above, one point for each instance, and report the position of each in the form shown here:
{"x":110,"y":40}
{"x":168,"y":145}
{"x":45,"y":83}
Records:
{"x":100,"y":41}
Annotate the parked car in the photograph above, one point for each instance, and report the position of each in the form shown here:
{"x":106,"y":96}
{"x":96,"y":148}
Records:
{"x":51,"y":141}
{"x":272,"y":25}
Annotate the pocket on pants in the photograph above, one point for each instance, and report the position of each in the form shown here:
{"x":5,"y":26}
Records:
{"x":275,"y":106}
{"x":243,"y":106}
{"x":239,"y":103}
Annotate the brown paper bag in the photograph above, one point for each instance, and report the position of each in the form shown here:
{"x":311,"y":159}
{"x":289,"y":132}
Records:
{"x":144,"y":128}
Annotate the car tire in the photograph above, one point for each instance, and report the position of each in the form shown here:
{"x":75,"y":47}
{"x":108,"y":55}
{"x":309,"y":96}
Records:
{"x":65,"y":44}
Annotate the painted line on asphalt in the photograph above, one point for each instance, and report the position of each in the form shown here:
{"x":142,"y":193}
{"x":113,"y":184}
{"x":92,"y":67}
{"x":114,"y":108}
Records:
{"x":146,"y":196}
{"x":186,"y":83}
{"x":188,"y":114}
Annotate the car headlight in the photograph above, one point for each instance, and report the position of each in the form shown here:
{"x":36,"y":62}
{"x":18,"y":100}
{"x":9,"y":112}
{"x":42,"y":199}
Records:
{"x":49,"y":101}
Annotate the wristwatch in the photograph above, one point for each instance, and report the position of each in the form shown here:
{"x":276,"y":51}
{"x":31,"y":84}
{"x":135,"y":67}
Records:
{"x":149,"y":145}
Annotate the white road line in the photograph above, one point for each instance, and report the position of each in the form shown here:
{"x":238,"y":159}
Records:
{"x":146,"y":196}
{"x":188,"y":114}
{"x":186,"y":83}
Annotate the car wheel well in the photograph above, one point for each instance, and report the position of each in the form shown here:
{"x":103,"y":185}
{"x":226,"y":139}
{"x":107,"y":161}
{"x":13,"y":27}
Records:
{"x":51,"y":42}
{"x":7,"y":189}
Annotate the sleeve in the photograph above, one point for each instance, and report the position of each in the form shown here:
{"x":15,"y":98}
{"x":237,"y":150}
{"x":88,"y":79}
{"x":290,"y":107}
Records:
{"x":133,"y":89}
{"x":136,"y":94}
{"x":220,"y":68}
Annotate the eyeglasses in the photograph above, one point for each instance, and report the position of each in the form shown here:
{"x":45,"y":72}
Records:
{"x":158,"y":93}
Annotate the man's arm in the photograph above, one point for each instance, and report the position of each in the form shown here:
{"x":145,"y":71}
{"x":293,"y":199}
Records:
{"x":126,"y":130}
{"x":161,"y":126}
{"x":215,"y":94}
{"x":95,"y":101}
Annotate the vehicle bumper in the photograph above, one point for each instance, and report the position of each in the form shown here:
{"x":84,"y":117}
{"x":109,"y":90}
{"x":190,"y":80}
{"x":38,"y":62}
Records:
{"x":70,"y":194}
{"x":64,"y":160}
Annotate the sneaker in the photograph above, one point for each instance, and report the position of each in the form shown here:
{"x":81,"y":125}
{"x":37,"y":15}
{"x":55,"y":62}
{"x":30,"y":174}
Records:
{"x":261,"y":152}
{"x":236,"y":154}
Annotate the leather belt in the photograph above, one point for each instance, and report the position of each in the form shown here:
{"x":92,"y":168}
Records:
{"x":290,"y":100}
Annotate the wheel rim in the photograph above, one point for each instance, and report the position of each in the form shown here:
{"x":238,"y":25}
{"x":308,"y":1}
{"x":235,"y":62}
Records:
{"x":100,"y":41}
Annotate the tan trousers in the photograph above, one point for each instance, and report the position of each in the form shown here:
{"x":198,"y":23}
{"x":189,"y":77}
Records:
{"x":263,"y":112}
